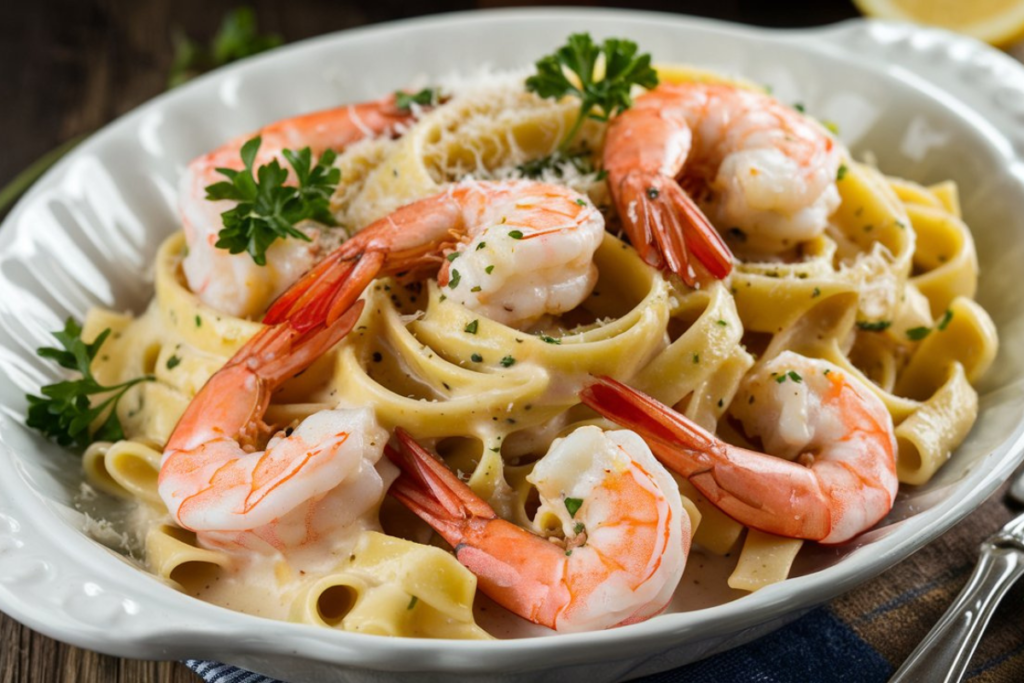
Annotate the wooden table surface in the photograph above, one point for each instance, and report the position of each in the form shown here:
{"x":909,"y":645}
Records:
{"x":71,"y":66}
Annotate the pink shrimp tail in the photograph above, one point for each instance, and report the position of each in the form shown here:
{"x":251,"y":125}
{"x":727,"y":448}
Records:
{"x":431,"y":490}
{"x":516,"y":569}
{"x":668,"y":229}
{"x":325,"y":293}
{"x":678,"y":442}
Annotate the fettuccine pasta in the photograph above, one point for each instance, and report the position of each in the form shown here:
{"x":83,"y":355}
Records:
{"x":884,"y":294}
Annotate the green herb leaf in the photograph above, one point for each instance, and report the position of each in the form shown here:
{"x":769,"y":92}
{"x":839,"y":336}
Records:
{"x":173,"y":362}
{"x":471,"y":328}
{"x":918,"y":333}
{"x":266,"y":208}
{"x":599,"y":100}
{"x":425,"y":98}
{"x":516,"y":234}
{"x":412,"y":602}
{"x":454,"y":279}
{"x":549,"y":340}
{"x":874,"y":326}
{"x":944,"y":323}
{"x":792,"y":374}
{"x":508,"y":361}
{"x":573,"y":505}
{"x":841,"y":173}
{"x":64,"y":412}
{"x":477,"y":358}
{"x":238,"y":37}
{"x":579,"y":527}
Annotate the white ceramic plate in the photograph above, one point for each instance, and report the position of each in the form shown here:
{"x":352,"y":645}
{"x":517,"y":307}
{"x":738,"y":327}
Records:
{"x":930,"y":105}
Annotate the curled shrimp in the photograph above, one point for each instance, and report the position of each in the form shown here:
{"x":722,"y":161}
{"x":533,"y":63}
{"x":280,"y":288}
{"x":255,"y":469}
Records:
{"x":843,"y":480}
{"x":626,"y":535}
{"x":211,"y":477}
{"x":770,"y":171}
{"x":513,"y":250}
{"x":304,"y":485}
{"x":234,"y":283}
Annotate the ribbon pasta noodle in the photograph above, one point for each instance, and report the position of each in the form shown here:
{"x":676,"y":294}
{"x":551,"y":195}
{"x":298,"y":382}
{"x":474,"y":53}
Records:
{"x":885,"y":293}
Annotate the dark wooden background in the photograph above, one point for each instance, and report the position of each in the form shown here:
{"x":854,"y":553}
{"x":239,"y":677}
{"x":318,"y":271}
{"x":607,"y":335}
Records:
{"x":71,"y":66}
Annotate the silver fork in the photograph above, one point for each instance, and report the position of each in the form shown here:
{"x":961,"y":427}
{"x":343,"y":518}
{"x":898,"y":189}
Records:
{"x":946,"y":651}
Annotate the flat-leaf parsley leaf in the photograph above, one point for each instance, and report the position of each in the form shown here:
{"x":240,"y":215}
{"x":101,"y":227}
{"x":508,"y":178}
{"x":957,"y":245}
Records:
{"x":599,"y":99}
{"x":267,"y":208}
{"x":64,"y":411}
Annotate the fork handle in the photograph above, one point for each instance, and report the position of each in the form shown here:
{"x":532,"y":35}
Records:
{"x":946,"y":651}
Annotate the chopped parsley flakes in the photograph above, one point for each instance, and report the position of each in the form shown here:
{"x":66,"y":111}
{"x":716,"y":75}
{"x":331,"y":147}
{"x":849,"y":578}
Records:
{"x":946,"y":317}
{"x":918,"y":333}
{"x":874,"y":326}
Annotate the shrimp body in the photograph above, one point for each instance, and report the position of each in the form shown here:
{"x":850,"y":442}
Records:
{"x":513,"y":250}
{"x":234,"y":283}
{"x":626,"y":535}
{"x":770,"y":171}
{"x":842,"y":479}
{"x":215,"y":481}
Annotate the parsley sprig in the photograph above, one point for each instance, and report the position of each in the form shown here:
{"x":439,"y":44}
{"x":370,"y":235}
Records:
{"x":64,"y":412}
{"x":267,"y":208}
{"x":599,"y":99}
{"x":238,"y":37}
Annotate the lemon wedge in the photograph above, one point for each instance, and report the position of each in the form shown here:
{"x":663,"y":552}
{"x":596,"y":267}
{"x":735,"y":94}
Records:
{"x":999,"y":22}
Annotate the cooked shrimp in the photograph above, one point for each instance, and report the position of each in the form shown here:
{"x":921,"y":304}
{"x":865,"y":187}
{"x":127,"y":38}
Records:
{"x":626,"y":535}
{"x":234,"y":283}
{"x":770,"y":170}
{"x":841,"y":435}
{"x":516,"y":250}
{"x":304,"y":485}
